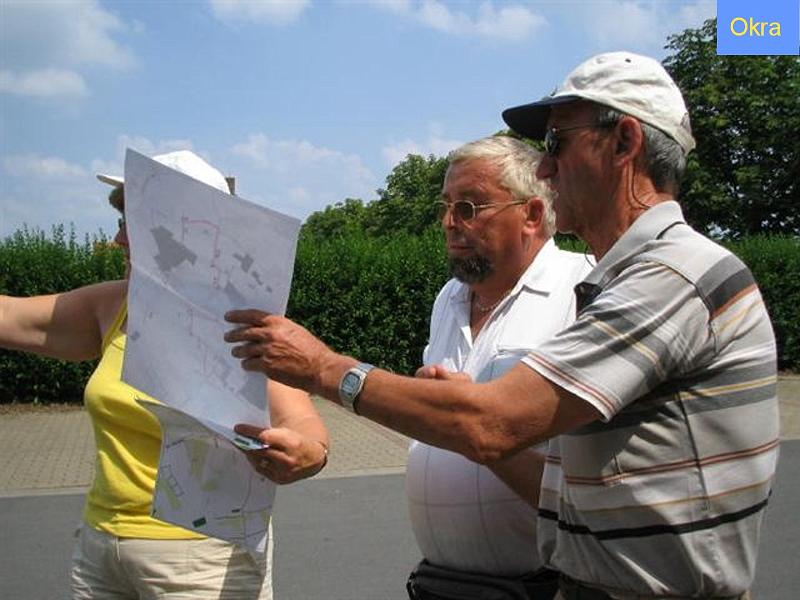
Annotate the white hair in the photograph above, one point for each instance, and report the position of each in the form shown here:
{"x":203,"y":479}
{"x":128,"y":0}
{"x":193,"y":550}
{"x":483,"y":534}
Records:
{"x":517,"y":162}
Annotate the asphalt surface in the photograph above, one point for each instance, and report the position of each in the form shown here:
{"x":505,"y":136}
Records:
{"x":344,"y":536}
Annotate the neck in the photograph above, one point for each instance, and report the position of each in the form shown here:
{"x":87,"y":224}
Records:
{"x":628,"y":204}
{"x":497,"y":286}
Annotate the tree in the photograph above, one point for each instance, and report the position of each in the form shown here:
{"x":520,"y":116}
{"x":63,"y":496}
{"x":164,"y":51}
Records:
{"x":408,"y":202}
{"x":406,"y":205}
{"x":338,"y":220}
{"x":743,"y":177}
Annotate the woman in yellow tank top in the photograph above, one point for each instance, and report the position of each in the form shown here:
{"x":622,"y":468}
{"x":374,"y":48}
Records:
{"x":122,"y":552}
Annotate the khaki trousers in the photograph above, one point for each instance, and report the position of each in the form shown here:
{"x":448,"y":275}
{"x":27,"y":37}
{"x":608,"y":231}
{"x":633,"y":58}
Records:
{"x":105,"y":567}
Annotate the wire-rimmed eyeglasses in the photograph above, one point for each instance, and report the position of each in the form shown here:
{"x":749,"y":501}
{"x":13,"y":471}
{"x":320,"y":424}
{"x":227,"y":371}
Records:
{"x":465,"y":210}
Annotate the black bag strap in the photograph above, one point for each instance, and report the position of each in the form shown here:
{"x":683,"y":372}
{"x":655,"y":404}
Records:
{"x":431,"y":582}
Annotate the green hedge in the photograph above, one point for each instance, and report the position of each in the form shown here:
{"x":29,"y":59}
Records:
{"x":32,"y":263}
{"x":369,"y":297}
{"x":775,"y":263}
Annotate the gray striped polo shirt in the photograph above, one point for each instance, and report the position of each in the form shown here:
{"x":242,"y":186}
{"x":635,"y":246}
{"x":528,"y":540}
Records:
{"x":673,"y":346}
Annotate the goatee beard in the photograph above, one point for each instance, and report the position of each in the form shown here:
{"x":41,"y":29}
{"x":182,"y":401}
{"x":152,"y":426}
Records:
{"x":472,"y":269}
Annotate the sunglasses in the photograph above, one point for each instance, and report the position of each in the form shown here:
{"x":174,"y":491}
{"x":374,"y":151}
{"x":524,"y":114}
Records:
{"x":552,"y":142}
{"x":464,"y":210}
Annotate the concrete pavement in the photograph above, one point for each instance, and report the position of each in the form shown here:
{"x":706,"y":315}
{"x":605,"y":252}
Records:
{"x":341,"y":536}
{"x":53,"y":452}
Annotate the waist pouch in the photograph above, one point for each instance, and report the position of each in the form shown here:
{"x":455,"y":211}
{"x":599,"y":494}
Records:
{"x":429,"y":582}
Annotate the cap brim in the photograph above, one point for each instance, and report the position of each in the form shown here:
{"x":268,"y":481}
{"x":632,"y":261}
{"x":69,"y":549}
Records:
{"x":530,"y":120}
{"x":111,"y":179}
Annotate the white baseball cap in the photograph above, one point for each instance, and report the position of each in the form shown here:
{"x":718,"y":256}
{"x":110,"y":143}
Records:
{"x":183,"y":161}
{"x":630,"y":83}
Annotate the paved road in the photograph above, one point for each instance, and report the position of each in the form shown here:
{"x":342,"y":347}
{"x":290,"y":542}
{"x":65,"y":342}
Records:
{"x":342,"y":537}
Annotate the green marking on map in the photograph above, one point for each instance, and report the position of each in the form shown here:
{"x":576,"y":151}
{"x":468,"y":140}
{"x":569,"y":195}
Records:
{"x":197,"y":451}
{"x":210,"y":486}
{"x":174,"y":503}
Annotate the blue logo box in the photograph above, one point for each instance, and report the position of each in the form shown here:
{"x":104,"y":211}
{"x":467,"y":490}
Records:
{"x":758,"y":28}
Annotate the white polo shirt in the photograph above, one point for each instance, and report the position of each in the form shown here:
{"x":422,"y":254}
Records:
{"x":463,"y":516}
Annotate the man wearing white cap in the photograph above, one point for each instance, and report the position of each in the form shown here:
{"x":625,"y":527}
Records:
{"x":664,"y":388}
{"x":122,"y":551}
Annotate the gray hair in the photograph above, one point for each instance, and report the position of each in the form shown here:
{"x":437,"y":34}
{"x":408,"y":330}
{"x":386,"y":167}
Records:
{"x":664,"y":159}
{"x":517,"y":162}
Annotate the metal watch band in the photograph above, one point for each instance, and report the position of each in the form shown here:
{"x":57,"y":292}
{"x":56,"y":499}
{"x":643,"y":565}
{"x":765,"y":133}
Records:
{"x":351,"y":384}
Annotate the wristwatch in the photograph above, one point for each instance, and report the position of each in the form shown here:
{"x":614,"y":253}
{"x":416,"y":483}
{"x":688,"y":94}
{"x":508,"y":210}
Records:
{"x":351,"y":383}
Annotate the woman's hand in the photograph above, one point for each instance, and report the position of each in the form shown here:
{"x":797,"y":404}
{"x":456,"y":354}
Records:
{"x":290,"y":456}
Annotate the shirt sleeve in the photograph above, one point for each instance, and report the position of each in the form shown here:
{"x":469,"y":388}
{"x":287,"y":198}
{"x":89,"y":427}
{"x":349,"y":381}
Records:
{"x":646,"y":326}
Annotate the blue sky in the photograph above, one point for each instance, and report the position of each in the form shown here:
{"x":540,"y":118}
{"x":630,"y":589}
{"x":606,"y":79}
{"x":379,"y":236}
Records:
{"x":306,"y":102}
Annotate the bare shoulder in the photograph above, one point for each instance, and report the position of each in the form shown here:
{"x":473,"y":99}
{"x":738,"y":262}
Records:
{"x":106,"y":299}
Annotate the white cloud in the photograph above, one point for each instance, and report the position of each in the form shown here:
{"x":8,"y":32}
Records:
{"x":435,"y":144}
{"x":396,"y":6}
{"x":296,"y":176}
{"x":438,"y":16}
{"x":41,"y":167}
{"x":44,"y":190}
{"x":270,"y":12}
{"x":40,"y":191}
{"x":45,"y":44}
{"x":285,"y":156}
{"x":43,"y":83}
{"x":53,"y":167}
{"x":513,"y":22}
{"x":638,"y":26}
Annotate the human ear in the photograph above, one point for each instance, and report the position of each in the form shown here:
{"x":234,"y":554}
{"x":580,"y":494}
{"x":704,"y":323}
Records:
{"x":629,"y":140}
{"x":534,"y":212}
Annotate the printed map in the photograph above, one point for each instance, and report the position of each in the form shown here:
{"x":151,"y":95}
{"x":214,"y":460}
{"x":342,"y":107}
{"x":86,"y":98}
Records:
{"x":196,"y":253}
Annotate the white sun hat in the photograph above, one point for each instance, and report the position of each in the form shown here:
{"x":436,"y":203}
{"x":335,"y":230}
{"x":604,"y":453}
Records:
{"x":184,"y":161}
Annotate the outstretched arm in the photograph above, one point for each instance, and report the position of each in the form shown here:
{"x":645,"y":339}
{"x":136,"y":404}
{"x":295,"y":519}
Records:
{"x":67,"y":326}
{"x":524,"y":409}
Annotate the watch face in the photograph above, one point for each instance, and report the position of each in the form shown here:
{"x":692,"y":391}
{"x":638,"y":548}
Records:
{"x":350,"y":383}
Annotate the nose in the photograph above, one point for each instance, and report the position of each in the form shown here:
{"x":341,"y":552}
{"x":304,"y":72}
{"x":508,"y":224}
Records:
{"x":547,"y":167}
{"x":449,"y":219}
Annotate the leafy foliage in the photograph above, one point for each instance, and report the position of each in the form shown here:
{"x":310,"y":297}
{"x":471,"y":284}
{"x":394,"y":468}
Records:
{"x":743,"y":177}
{"x":775,"y":263}
{"x":367,"y":273}
{"x":370,"y":297}
{"x":406,"y":205}
{"x":365,"y":296}
{"x":341,"y":219}
{"x":32,"y":263}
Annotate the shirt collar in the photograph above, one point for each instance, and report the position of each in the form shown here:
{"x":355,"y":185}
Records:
{"x":540,"y":276}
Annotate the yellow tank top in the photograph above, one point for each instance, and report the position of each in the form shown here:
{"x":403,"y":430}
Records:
{"x":128,"y":440}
